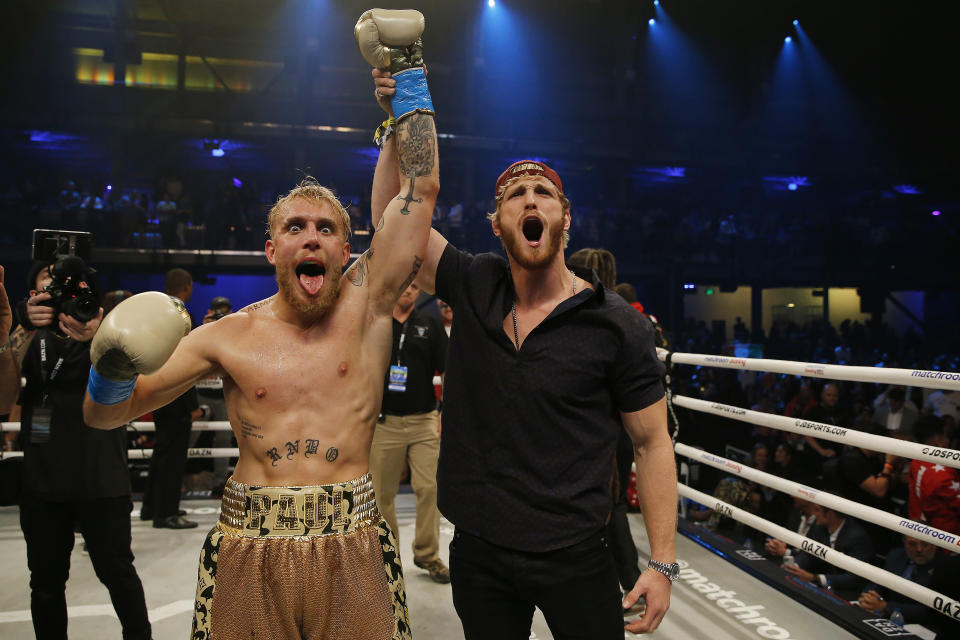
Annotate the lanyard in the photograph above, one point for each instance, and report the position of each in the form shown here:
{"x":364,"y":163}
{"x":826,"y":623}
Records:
{"x":43,"y":362}
{"x":403,"y":336}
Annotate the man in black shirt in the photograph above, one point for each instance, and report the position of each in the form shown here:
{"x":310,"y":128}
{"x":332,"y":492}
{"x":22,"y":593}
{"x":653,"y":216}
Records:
{"x":161,"y":498}
{"x":73,"y":475}
{"x":542,"y":359}
{"x":407,"y":430}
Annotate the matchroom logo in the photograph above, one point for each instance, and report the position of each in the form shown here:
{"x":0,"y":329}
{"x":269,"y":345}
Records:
{"x":747,"y":614}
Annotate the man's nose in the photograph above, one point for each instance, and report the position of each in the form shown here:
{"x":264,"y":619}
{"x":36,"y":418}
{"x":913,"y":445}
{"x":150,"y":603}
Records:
{"x":311,"y":235}
{"x":529,"y":199}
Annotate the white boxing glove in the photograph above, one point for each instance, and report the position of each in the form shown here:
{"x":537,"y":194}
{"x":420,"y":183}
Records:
{"x":380,"y":33}
{"x":136,"y":337}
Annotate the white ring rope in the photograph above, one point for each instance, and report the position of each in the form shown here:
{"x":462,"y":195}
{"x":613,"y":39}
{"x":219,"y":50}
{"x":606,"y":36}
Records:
{"x":890,"y":521}
{"x":199,"y":425}
{"x":908,"y":377}
{"x":929,"y":597}
{"x":142,"y":454}
{"x":902,"y":448}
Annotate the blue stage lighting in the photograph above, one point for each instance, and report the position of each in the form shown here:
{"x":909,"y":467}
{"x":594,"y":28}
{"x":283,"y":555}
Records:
{"x":217,"y":153}
{"x":935,"y":213}
{"x":656,"y":3}
{"x":491,"y":3}
{"x":651,"y":21}
{"x":109,"y":187}
{"x":787,"y":40}
{"x":689,"y":286}
{"x":796,"y":22}
{"x":792,"y":186}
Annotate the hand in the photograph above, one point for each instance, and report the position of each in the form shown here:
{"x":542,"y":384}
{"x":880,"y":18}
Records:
{"x":6,"y":313}
{"x":872,"y":601}
{"x":38,"y":314}
{"x":655,"y":587}
{"x":775,"y":547}
{"x":384,"y":88}
{"x":80,"y":331}
{"x":795,"y":570}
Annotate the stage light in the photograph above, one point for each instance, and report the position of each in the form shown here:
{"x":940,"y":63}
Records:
{"x":237,"y":183}
{"x":491,"y":3}
{"x":217,"y":153}
{"x":689,"y":286}
{"x":787,"y":40}
{"x":935,"y":213}
{"x":109,"y":187}
{"x":792,"y":186}
{"x":651,"y":22}
{"x":656,"y":3}
{"x":796,"y":22}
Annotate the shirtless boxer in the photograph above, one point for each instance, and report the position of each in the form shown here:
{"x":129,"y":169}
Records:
{"x":301,"y":549}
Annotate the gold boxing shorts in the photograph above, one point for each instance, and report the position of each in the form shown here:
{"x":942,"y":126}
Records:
{"x":300,"y":562}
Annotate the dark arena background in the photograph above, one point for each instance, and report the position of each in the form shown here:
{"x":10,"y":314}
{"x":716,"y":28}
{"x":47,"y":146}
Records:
{"x":776,"y":178}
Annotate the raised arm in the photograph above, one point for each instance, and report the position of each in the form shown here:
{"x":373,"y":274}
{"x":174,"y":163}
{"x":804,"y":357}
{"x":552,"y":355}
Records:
{"x":387,"y":177}
{"x":657,"y":490}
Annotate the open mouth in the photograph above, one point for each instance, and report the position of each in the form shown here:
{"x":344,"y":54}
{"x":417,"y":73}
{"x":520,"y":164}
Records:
{"x":532,"y":228}
{"x":311,"y":275}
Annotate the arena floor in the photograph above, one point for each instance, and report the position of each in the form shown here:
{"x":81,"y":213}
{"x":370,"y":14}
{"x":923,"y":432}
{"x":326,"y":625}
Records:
{"x":166,"y":562}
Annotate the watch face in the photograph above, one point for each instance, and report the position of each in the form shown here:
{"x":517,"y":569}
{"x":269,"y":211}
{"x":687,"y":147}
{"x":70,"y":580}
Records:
{"x":674,"y":571}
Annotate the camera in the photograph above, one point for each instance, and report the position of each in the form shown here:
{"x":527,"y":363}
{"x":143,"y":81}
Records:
{"x":73,"y":290}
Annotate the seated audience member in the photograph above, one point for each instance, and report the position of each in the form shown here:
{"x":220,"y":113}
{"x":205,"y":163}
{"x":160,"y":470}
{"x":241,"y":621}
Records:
{"x":803,"y":520}
{"x":896,"y":418}
{"x":934,"y":495}
{"x":862,"y":475}
{"x":800,"y":403}
{"x":847,"y":536}
{"x":828,"y":411}
{"x":915,"y":561}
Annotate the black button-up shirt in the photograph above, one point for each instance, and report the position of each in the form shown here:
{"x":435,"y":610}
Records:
{"x":529,"y":436}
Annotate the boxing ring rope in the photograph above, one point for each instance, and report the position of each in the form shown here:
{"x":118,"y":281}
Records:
{"x":902,"y":448}
{"x":907,"y":377}
{"x":879,"y":517}
{"x":948,"y":457}
{"x":945,"y":605}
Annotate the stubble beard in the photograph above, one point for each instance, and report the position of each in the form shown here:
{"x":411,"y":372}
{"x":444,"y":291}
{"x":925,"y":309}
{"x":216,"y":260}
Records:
{"x":311,"y":308}
{"x":515,"y":244}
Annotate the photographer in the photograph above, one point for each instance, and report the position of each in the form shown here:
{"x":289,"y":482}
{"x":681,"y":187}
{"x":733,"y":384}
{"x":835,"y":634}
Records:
{"x":73,"y":475}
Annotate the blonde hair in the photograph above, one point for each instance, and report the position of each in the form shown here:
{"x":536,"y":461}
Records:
{"x":564,"y":202}
{"x":311,"y":190}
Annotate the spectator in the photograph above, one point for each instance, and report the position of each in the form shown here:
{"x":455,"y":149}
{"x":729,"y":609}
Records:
{"x":446,"y":316}
{"x":827,"y":411}
{"x":915,"y":561}
{"x":846,"y":536}
{"x":934,"y":495}
{"x":895,"y":416}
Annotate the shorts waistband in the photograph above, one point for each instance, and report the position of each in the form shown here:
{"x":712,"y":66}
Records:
{"x":319,"y":510}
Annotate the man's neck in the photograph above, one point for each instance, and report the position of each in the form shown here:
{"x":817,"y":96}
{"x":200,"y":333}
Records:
{"x":400,"y":315}
{"x":833,"y":525}
{"x":538,"y":286}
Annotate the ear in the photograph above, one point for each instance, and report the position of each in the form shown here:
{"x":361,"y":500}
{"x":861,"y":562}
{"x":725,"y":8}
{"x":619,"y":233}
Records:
{"x":495,"y":225}
{"x":346,"y":253}
{"x":566,"y":220}
{"x":271,"y":252}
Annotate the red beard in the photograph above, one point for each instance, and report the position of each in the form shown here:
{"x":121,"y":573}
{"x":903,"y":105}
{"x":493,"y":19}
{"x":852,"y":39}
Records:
{"x":312,"y":308}
{"x":515,"y":244}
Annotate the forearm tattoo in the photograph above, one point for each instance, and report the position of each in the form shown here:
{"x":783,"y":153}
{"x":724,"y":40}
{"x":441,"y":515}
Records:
{"x":357,"y":272}
{"x":17,"y":345}
{"x":416,"y":153}
{"x":291,"y":450}
{"x":407,"y":199}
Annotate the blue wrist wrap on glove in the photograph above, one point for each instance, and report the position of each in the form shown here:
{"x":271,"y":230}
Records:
{"x":412,"y":94}
{"x":104,"y":391}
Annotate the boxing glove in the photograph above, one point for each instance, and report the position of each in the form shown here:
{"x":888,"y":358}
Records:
{"x":390,"y":39}
{"x":138,"y":336}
